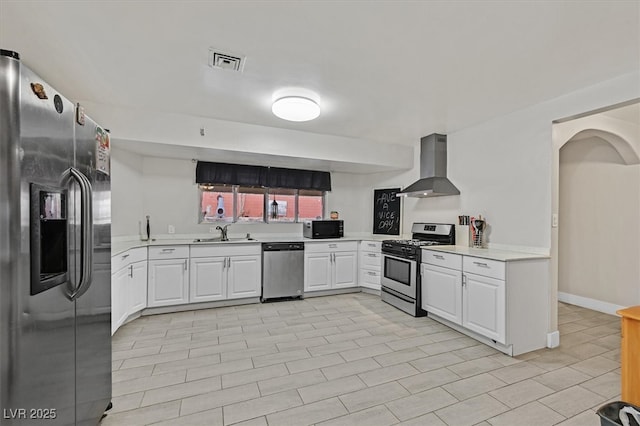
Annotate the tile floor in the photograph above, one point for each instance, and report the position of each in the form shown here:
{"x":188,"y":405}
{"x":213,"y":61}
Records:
{"x":353,"y":360}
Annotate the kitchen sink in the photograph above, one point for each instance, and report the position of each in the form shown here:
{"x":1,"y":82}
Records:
{"x":219,"y":240}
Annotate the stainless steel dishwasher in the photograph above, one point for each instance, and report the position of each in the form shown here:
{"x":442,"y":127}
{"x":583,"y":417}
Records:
{"x":282,"y":270}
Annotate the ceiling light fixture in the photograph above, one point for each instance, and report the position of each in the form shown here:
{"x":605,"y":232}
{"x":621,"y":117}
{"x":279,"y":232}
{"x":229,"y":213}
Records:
{"x":295,"y":108}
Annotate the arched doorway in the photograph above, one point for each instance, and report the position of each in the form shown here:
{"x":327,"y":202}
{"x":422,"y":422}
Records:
{"x":596,"y":202}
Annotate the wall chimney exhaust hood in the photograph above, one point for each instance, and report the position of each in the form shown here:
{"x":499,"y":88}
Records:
{"x":433,"y":180}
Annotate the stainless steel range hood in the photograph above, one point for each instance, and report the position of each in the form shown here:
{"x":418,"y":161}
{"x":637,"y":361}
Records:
{"x":433,"y":180}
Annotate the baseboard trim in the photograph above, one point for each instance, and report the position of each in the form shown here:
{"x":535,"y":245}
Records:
{"x":593,"y":304}
{"x":370,"y":290}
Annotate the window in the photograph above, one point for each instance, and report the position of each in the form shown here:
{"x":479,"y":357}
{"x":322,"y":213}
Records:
{"x":281,"y":205}
{"x":232,"y":203}
{"x":310,"y":204}
{"x":260,"y":194}
{"x":250,"y":204}
{"x":216,"y":203}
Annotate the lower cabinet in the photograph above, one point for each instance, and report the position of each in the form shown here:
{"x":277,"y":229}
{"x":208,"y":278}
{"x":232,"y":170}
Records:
{"x":244,"y":277}
{"x":330,"y":265}
{"x":471,"y":294}
{"x":168,"y":282}
{"x":484,"y":306}
{"x":119,"y":298}
{"x":477,"y":302}
{"x":370,"y":264}
{"x":138,"y":286}
{"x":442,"y":292}
{"x":222,"y":273}
{"x":208,"y":279}
{"x":168,"y":276}
{"x":128,"y":285}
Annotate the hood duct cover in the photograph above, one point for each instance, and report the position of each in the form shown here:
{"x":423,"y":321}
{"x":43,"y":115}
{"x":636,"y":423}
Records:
{"x":433,"y":180}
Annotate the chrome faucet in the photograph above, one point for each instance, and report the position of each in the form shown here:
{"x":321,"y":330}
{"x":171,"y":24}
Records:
{"x":223,"y":232}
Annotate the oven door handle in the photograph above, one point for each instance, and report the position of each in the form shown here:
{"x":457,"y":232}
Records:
{"x":406,"y":259}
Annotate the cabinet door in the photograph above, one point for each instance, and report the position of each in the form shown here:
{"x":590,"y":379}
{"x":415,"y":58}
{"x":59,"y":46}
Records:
{"x":317,"y":271}
{"x":119,"y":302}
{"x":168,"y":282}
{"x":138,"y":287}
{"x":484,"y":308}
{"x":345,"y":269}
{"x":208,"y":279}
{"x":369,"y":278}
{"x":442,"y":292}
{"x":244,"y":277}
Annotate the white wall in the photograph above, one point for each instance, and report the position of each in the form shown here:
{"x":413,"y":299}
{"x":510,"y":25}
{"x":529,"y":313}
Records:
{"x":165,"y":190}
{"x":599,"y":237}
{"x":127,"y":189}
{"x":503,"y":168}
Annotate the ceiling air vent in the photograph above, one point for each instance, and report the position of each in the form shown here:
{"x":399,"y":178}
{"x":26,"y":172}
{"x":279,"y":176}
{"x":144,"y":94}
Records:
{"x":225,"y":61}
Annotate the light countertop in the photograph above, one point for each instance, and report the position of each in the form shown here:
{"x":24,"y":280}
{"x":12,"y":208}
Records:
{"x":488,"y":253}
{"x":118,"y":247}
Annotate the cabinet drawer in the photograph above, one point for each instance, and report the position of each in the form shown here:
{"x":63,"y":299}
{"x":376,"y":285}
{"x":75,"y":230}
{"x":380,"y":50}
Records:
{"x":445,"y":260}
{"x":369,"y":276}
{"x":485,"y":267}
{"x":373,"y":246}
{"x":225,"y":249}
{"x":371,"y":260}
{"x":168,"y":252}
{"x":323,"y":247}
{"x":128,"y":257}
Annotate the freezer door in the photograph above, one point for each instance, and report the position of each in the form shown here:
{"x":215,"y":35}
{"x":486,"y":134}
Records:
{"x":37,"y":349}
{"x":93,"y":304}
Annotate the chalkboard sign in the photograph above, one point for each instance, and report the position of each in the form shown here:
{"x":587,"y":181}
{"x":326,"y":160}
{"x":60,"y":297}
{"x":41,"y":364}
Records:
{"x":386,"y":211}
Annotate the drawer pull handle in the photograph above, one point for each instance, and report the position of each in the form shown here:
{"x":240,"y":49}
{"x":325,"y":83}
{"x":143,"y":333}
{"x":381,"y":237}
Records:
{"x":372,"y":255}
{"x":168,"y":250}
{"x":372,"y":273}
{"x":481,"y":264}
{"x":124,"y":256}
{"x":371,"y":244}
{"x":439,"y":257}
{"x":333,"y":246}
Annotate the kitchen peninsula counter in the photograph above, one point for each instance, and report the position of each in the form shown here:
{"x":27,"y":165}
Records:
{"x":488,"y":253}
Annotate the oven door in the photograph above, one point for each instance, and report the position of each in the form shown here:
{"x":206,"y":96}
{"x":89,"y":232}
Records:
{"x":399,"y":274}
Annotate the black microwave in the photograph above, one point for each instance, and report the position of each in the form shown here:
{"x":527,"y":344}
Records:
{"x":323,"y":229}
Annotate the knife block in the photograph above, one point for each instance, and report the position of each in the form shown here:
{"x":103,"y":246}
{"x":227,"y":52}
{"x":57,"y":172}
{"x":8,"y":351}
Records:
{"x":463,"y":235}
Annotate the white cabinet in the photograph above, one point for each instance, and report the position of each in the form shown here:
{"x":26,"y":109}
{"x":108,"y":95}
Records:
{"x":128,"y":285}
{"x":483,"y":301}
{"x":225,"y":272}
{"x":330,"y":265}
{"x":442,"y":292}
{"x":370,"y":264}
{"x":501,"y":303}
{"x":318,"y":268}
{"x":119,"y":298}
{"x":474,"y":301}
{"x":138,"y":284}
{"x":168,"y":275}
{"x":244,"y":277}
{"x":208,"y":279}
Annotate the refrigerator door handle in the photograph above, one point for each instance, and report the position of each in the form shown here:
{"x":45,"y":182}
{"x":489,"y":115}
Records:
{"x":86,"y":229}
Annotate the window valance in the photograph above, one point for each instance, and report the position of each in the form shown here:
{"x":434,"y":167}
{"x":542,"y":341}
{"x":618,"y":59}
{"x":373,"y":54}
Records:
{"x":272,"y":177}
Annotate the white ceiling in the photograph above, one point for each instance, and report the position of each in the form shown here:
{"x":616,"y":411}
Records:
{"x":388,"y":71}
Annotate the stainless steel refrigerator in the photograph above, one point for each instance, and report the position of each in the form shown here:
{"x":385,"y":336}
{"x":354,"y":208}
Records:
{"x":55,"y":255}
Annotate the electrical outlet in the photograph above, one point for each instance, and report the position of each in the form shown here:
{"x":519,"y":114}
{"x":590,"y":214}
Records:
{"x":171,"y":229}
{"x":554,"y":220}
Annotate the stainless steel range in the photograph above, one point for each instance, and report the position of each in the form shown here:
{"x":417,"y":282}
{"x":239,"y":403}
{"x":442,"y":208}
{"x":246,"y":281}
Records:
{"x":401,"y":261}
